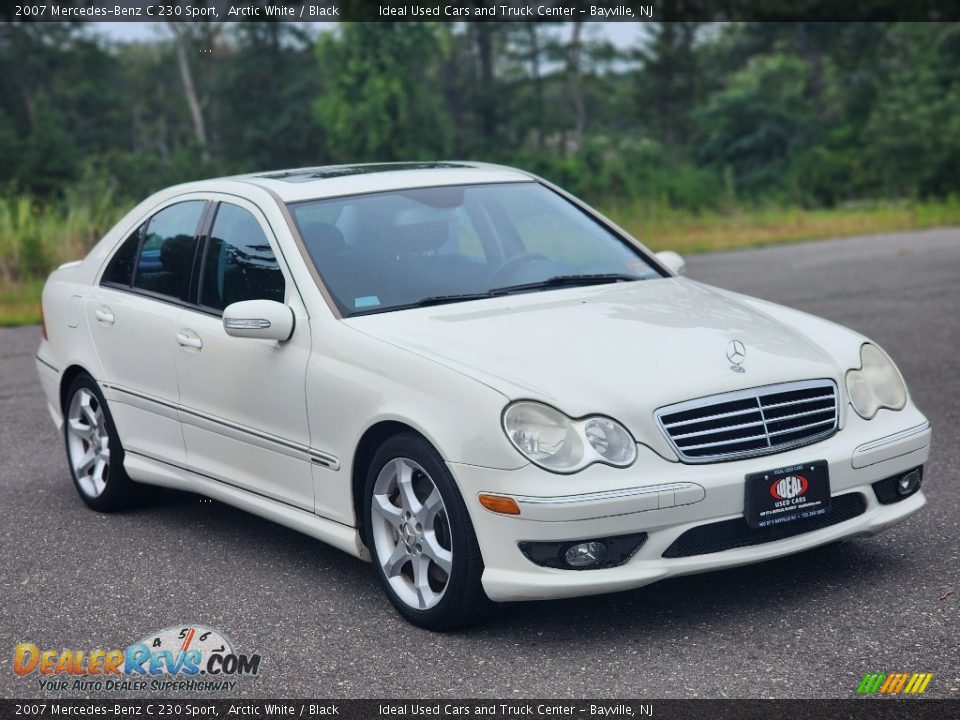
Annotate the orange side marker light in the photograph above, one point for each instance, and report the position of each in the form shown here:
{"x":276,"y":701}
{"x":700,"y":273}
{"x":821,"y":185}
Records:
{"x":500,"y":504}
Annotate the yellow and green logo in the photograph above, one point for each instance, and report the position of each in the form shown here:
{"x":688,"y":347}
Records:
{"x":894,"y":683}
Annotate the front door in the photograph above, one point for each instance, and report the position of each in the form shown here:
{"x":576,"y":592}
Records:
{"x":242,"y":401}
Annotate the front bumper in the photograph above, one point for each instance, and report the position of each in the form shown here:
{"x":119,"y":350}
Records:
{"x":665,"y":499}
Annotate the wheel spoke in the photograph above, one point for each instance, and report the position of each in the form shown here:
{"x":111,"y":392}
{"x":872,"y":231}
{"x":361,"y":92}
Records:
{"x":398,"y":558}
{"x":387,"y":510}
{"x":78,"y":428}
{"x":86,"y":462}
{"x":99,"y":475}
{"x":436,"y":552}
{"x":408,"y":498}
{"x":430,"y":508}
{"x":421,"y":581}
{"x":92,"y":416}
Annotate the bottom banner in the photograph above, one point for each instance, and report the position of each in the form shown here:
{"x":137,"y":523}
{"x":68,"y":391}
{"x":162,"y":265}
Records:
{"x":892,"y":708}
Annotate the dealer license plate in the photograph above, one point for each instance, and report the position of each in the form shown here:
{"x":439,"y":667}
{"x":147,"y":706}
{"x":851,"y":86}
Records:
{"x":787,"y":494}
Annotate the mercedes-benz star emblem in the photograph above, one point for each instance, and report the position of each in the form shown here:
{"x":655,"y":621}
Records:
{"x":736,"y":354}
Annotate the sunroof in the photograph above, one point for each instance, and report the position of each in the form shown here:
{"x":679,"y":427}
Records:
{"x":335,"y":171}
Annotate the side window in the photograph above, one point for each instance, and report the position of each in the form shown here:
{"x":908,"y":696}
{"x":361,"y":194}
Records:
{"x":239,"y":263}
{"x":120,"y":269}
{"x":169,"y":244}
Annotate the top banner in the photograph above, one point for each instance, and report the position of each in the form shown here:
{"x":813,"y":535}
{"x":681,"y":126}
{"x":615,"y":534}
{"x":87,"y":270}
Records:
{"x":478,"y":10}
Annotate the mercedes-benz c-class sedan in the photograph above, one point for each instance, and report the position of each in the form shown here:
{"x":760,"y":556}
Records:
{"x":467,"y":376}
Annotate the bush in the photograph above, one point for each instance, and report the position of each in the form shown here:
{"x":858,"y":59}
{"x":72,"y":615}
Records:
{"x":616,"y":172}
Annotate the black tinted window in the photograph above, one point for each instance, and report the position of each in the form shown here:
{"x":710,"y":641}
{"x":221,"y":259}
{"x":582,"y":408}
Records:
{"x":239,"y":263}
{"x":120,"y":269}
{"x":166,"y":258}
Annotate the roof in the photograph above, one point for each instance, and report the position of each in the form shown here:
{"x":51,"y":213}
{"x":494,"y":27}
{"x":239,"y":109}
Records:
{"x":337,"y":180}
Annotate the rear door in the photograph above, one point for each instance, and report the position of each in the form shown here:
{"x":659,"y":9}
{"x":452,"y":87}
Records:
{"x":243,"y":406}
{"x":132,"y":318}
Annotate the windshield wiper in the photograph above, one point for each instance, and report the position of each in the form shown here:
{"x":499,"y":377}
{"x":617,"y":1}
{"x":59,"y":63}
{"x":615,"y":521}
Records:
{"x":566,"y":280}
{"x":444,"y":299}
{"x":555,"y":281}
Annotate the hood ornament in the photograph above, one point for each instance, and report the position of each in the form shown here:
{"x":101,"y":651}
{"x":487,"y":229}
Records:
{"x":736,"y":354}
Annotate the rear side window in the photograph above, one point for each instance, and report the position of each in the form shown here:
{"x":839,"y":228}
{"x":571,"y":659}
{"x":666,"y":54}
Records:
{"x":120,"y":269}
{"x":239,"y":263}
{"x":169,"y":244}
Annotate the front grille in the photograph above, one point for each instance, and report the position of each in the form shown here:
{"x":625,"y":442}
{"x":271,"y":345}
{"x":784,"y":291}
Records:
{"x":758,"y":421}
{"x":730,"y":534}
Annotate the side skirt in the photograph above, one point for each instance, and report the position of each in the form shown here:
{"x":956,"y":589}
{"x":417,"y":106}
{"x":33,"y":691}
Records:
{"x":155,"y":472}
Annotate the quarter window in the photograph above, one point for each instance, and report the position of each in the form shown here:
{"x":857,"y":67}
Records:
{"x":169,"y":245}
{"x":120,"y":269}
{"x":239,"y":263}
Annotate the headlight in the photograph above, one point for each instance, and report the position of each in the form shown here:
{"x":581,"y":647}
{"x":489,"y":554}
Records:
{"x":876,"y":384}
{"x":555,"y":442}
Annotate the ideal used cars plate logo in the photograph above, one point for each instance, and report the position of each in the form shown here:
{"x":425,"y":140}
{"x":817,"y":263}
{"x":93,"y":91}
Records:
{"x":789,"y":487}
{"x":187,"y":657}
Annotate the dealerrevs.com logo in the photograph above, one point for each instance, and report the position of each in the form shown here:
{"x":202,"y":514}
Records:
{"x":185,"y":658}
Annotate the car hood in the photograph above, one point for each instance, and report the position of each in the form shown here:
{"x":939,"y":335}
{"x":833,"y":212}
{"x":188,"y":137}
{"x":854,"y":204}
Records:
{"x":621,"y":350}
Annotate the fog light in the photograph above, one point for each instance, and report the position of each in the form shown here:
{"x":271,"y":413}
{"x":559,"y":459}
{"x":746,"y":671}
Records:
{"x":585,"y":554}
{"x":898,"y":487}
{"x":908,"y":484}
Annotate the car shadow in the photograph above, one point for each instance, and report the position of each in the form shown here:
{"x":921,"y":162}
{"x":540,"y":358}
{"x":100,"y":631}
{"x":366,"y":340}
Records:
{"x":721,"y":597}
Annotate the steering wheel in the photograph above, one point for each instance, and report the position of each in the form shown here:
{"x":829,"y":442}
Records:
{"x":511,"y":264}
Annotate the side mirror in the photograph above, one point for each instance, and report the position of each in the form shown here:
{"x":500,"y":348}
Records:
{"x":673,"y":261}
{"x":263,"y":319}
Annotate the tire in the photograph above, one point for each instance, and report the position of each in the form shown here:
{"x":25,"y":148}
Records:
{"x":94,"y":453}
{"x":424,"y":550}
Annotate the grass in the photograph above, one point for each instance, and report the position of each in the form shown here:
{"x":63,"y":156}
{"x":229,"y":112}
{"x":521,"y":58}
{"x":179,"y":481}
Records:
{"x":663,"y":228}
{"x":20,"y":304}
{"x":35,"y":238}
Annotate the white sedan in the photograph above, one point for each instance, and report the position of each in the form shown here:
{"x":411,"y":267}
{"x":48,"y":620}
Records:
{"x":464,"y":374}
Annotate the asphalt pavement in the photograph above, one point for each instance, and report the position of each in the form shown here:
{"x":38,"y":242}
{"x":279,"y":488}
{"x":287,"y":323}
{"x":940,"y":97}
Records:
{"x":808,"y":625}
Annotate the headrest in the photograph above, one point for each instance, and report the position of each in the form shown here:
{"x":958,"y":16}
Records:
{"x":176,"y":253}
{"x":246,"y":228}
{"x":418,"y":237}
{"x":322,"y":238}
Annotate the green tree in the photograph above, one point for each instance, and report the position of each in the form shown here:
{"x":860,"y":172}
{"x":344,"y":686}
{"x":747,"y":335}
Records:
{"x":380,"y":93}
{"x":758,"y":121}
{"x":275,"y":126}
{"x":914,"y":130}
{"x":670,"y":84}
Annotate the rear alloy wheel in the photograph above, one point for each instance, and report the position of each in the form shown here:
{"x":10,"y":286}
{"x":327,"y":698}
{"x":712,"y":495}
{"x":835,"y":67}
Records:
{"x":93,"y":448}
{"x":419,"y":533}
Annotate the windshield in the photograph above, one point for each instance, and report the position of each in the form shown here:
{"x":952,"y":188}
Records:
{"x":430,"y":246}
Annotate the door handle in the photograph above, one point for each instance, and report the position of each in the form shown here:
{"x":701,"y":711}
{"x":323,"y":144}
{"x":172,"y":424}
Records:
{"x":189,"y":339}
{"x":104,"y":315}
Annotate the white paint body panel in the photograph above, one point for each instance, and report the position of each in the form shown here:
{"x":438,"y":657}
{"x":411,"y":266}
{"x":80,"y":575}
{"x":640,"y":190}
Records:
{"x":274,"y":427}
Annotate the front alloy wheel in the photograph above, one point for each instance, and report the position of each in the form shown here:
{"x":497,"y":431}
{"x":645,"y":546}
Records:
{"x":424,"y":549}
{"x":411,"y":533}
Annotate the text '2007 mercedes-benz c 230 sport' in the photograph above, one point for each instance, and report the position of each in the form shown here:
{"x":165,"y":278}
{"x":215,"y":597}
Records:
{"x":469,"y":377}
